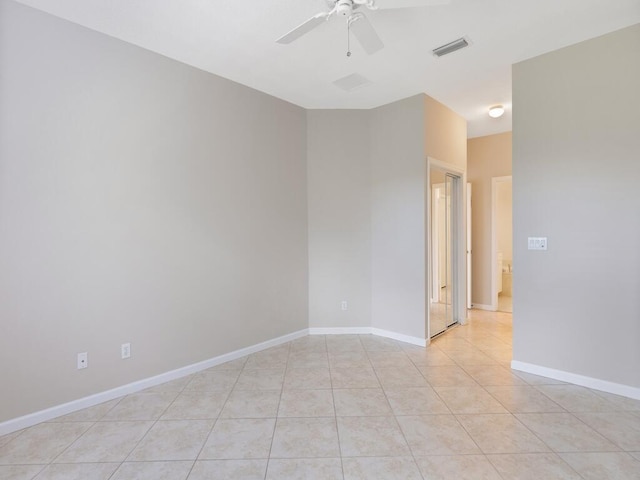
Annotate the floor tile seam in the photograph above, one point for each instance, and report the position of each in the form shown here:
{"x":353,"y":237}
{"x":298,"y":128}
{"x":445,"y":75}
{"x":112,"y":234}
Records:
{"x":484,"y":455}
{"x":213,"y":425}
{"x":543,"y":453}
{"x":44,"y":467}
{"x":610,"y":440}
{"x":406,"y":441}
{"x":586,"y":425}
{"x":495,"y":399}
{"x":590,"y":451}
{"x":53,"y":461}
{"x":439,"y":397}
{"x":301,"y":458}
{"x":228,"y":394}
{"x":455,"y":416}
{"x":601,"y":433}
{"x":94,"y":462}
{"x":540,"y":389}
{"x":275,"y":423}
{"x":337,"y":431}
{"x":548,"y":448}
{"x":19,"y":434}
{"x":165,"y":411}
{"x":114,"y":406}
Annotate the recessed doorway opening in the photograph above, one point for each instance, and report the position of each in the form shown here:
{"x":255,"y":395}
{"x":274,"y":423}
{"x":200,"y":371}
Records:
{"x":446,"y":272}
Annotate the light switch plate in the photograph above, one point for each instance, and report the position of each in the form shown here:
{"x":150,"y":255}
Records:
{"x":537,"y":243}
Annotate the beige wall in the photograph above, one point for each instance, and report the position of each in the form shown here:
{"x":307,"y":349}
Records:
{"x":576,"y":173}
{"x":339,"y":202}
{"x":367,"y":197}
{"x":141,"y":201}
{"x":145,"y":201}
{"x":398,"y":173}
{"x":489,"y":157}
{"x":445,"y":137}
{"x":504,"y":222}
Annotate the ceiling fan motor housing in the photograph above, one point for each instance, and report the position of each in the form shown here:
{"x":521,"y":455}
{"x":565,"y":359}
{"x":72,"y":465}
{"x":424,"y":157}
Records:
{"x":344,"y":7}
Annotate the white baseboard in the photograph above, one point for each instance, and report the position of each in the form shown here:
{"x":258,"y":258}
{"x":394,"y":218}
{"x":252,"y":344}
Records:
{"x":480,"y":306}
{"x":421,"y":342}
{"x":340,"y":331}
{"x":368,"y":331}
{"x":589,"y":382}
{"x":31,"y":419}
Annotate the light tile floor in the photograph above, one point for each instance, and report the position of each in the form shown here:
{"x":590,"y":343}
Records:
{"x":505,"y":303}
{"x":346,"y":407}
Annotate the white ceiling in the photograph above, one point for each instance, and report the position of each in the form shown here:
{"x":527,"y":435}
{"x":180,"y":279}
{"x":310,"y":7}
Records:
{"x":236,"y":40}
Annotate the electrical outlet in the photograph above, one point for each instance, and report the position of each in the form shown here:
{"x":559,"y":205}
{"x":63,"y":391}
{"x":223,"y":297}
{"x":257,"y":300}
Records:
{"x":344,"y":305}
{"x":83,"y":360}
{"x":125,"y":350}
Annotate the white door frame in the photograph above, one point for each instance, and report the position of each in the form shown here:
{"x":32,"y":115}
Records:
{"x":436,"y":189}
{"x":494,"y":241}
{"x":459,"y":232}
{"x":469,"y":255}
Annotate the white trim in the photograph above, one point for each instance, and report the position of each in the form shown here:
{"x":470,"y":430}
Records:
{"x":480,"y":306}
{"x":369,"y":331}
{"x":31,"y":419}
{"x":589,"y":382}
{"x":421,"y":342}
{"x":469,"y":245}
{"x":50,"y":413}
{"x":340,"y":331}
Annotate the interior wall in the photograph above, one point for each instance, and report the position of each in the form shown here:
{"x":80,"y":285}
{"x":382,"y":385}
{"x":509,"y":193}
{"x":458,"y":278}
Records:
{"x":339,"y":202}
{"x":142,"y":201}
{"x":575,"y":181}
{"x":489,"y":157}
{"x":445,"y":134}
{"x":504,"y":215}
{"x":398,"y":175}
{"x":403,"y":134}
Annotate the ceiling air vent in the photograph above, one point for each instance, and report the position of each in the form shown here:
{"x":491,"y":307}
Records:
{"x":351,"y":82}
{"x":450,"y":47}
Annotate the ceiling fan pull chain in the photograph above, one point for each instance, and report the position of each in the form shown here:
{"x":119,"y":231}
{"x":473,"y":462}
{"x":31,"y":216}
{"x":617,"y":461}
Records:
{"x":348,"y":37}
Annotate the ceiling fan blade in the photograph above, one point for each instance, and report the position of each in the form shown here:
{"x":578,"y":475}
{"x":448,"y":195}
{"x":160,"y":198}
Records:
{"x":304,"y":28}
{"x":364,"y":32}
{"x":388,"y":4}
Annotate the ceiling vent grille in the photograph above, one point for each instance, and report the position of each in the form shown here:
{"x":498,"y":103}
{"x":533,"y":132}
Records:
{"x":450,"y":47}
{"x":352,"y":82}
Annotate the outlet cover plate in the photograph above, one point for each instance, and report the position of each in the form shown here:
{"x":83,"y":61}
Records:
{"x":83,"y":360}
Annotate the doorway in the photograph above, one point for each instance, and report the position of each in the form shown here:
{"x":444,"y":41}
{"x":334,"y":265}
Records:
{"x":502,"y":243}
{"x":447,"y":249}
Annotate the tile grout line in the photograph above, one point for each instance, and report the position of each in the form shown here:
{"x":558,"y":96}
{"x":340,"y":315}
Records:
{"x":275,"y":423}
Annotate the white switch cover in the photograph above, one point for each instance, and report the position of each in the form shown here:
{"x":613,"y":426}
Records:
{"x":344,"y":305}
{"x":537,"y":243}
{"x":125,"y":350}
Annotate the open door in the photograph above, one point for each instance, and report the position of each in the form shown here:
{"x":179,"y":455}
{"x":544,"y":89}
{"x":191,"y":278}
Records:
{"x":447,"y":248}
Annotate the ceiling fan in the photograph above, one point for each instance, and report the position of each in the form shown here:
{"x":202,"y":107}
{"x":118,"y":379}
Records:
{"x":357,"y":22}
